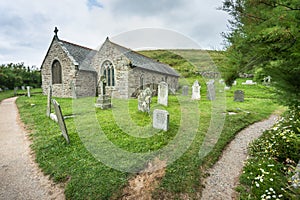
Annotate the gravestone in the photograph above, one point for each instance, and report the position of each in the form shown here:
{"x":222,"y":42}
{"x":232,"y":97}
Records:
{"x":161,"y":119}
{"x":211,"y":92}
{"x":144,"y":100}
{"x":23,"y":87}
{"x":15,"y":91}
{"x":185,"y":90}
{"x":61,"y":121}
{"x":239,"y":96}
{"x":49,"y":97}
{"x":28,"y":91}
{"x":234,"y":83}
{"x":196,"y":91}
{"x":163,"y":94}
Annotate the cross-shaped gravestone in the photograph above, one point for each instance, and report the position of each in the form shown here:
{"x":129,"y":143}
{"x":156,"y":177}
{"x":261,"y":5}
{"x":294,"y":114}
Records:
{"x":61,"y":120}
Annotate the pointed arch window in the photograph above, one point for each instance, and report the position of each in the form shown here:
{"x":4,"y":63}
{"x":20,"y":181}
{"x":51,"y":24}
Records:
{"x":56,"y":72}
{"x":109,"y":73}
{"x":142,"y":82}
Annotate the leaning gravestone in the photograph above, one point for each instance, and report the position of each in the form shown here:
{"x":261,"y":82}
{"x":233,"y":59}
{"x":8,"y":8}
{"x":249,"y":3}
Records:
{"x":239,"y":96}
{"x":28,"y":91}
{"x":196,"y":91}
{"x":49,"y":97}
{"x":144,"y":100}
{"x":161,"y":119}
{"x":211,"y":92}
{"x":185,"y":90}
{"x":61,"y":120}
{"x":163,"y":94}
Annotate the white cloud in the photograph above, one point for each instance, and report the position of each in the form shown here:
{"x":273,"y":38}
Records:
{"x":27,"y":26}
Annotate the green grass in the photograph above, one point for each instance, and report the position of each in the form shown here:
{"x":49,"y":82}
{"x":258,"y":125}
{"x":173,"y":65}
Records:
{"x":87,"y":178}
{"x":10,"y":93}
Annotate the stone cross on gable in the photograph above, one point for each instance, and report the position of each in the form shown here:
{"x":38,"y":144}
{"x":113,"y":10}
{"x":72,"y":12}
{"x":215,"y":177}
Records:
{"x":56,"y":31}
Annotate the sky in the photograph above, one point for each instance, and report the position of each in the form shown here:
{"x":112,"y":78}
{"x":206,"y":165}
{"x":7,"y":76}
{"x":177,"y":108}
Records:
{"x":27,"y":26}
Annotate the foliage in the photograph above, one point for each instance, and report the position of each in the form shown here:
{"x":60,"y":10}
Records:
{"x":267,"y":175}
{"x":265,"y":34}
{"x":16,"y":75}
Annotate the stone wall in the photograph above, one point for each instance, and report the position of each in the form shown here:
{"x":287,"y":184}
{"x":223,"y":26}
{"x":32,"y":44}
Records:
{"x":121,"y":68}
{"x":68,"y":71}
{"x":149,"y":78}
{"x":85,"y":84}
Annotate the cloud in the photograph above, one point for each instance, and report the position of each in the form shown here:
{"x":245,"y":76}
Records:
{"x":27,"y":26}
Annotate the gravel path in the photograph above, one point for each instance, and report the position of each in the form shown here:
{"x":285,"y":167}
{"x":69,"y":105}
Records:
{"x":224,"y":175}
{"x":20,"y":178}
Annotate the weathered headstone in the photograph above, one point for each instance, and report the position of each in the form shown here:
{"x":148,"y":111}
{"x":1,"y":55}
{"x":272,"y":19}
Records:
{"x":163,"y":94}
{"x":196,"y":91}
{"x":28,"y":91}
{"x":23,"y":87}
{"x":49,"y":97}
{"x":161,"y":119}
{"x":15,"y":91}
{"x":144,"y":100}
{"x":234,"y":83}
{"x":239,"y":96}
{"x":185,"y":90}
{"x":211,"y":91}
{"x":61,"y":121}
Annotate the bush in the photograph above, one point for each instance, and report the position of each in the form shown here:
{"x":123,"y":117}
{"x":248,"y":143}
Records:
{"x":267,"y":175}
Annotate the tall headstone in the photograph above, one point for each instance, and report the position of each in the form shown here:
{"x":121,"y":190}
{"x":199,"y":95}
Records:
{"x":239,"y":96}
{"x":144,"y":100}
{"x":15,"y":91}
{"x":28,"y":91}
{"x":211,"y":91}
{"x":163,"y":94}
{"x":196,"y":91}
{"x":161,"y":119}
{"x":185,"y":90}
{"x":61,"y":120}
{"x":49,"y":97}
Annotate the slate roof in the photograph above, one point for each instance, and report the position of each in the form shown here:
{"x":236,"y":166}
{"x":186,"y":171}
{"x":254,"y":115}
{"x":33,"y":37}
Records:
{"x":144,"y":62}
{"x":81,"y":56}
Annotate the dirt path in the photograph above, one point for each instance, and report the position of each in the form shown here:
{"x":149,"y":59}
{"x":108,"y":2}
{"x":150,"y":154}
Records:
{"x":225,"y":173}
{"x":20,"y":178}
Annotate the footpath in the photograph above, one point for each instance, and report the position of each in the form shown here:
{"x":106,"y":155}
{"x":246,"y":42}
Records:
{"x":20,"y":177}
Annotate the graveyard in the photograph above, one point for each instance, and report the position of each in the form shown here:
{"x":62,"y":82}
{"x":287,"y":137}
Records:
{"x":84,"y":175}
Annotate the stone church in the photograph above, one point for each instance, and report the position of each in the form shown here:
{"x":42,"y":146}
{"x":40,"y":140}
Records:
{"x":114,"y":70}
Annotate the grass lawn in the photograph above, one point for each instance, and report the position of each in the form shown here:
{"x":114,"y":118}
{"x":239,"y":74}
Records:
{"x":11,"y":93}
{"x":126,"y":128}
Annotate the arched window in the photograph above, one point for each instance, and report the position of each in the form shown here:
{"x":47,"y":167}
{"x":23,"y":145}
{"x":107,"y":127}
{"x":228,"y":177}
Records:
{"x":56,"y":73}
{"x":142,"y":82}
{"x":109,"y":73}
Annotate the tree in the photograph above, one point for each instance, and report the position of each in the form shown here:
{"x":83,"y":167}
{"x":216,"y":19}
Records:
{"x":265,"y":34}
{"x":16,"y":75}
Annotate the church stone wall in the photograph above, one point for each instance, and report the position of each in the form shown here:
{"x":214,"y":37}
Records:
{"x":85,"y":84}
{"x":121,"y":68}
{"x":149,"y":78}
{"x":68,"y":71}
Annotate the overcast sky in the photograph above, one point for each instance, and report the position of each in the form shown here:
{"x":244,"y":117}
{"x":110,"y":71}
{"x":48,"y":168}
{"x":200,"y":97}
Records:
{"x":27,"y":26}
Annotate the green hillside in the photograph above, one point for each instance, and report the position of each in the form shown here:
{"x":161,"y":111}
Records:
{"x":188,"y":62}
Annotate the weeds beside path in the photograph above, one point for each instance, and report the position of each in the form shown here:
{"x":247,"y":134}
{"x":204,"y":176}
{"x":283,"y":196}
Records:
{"x":20,"y":177}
